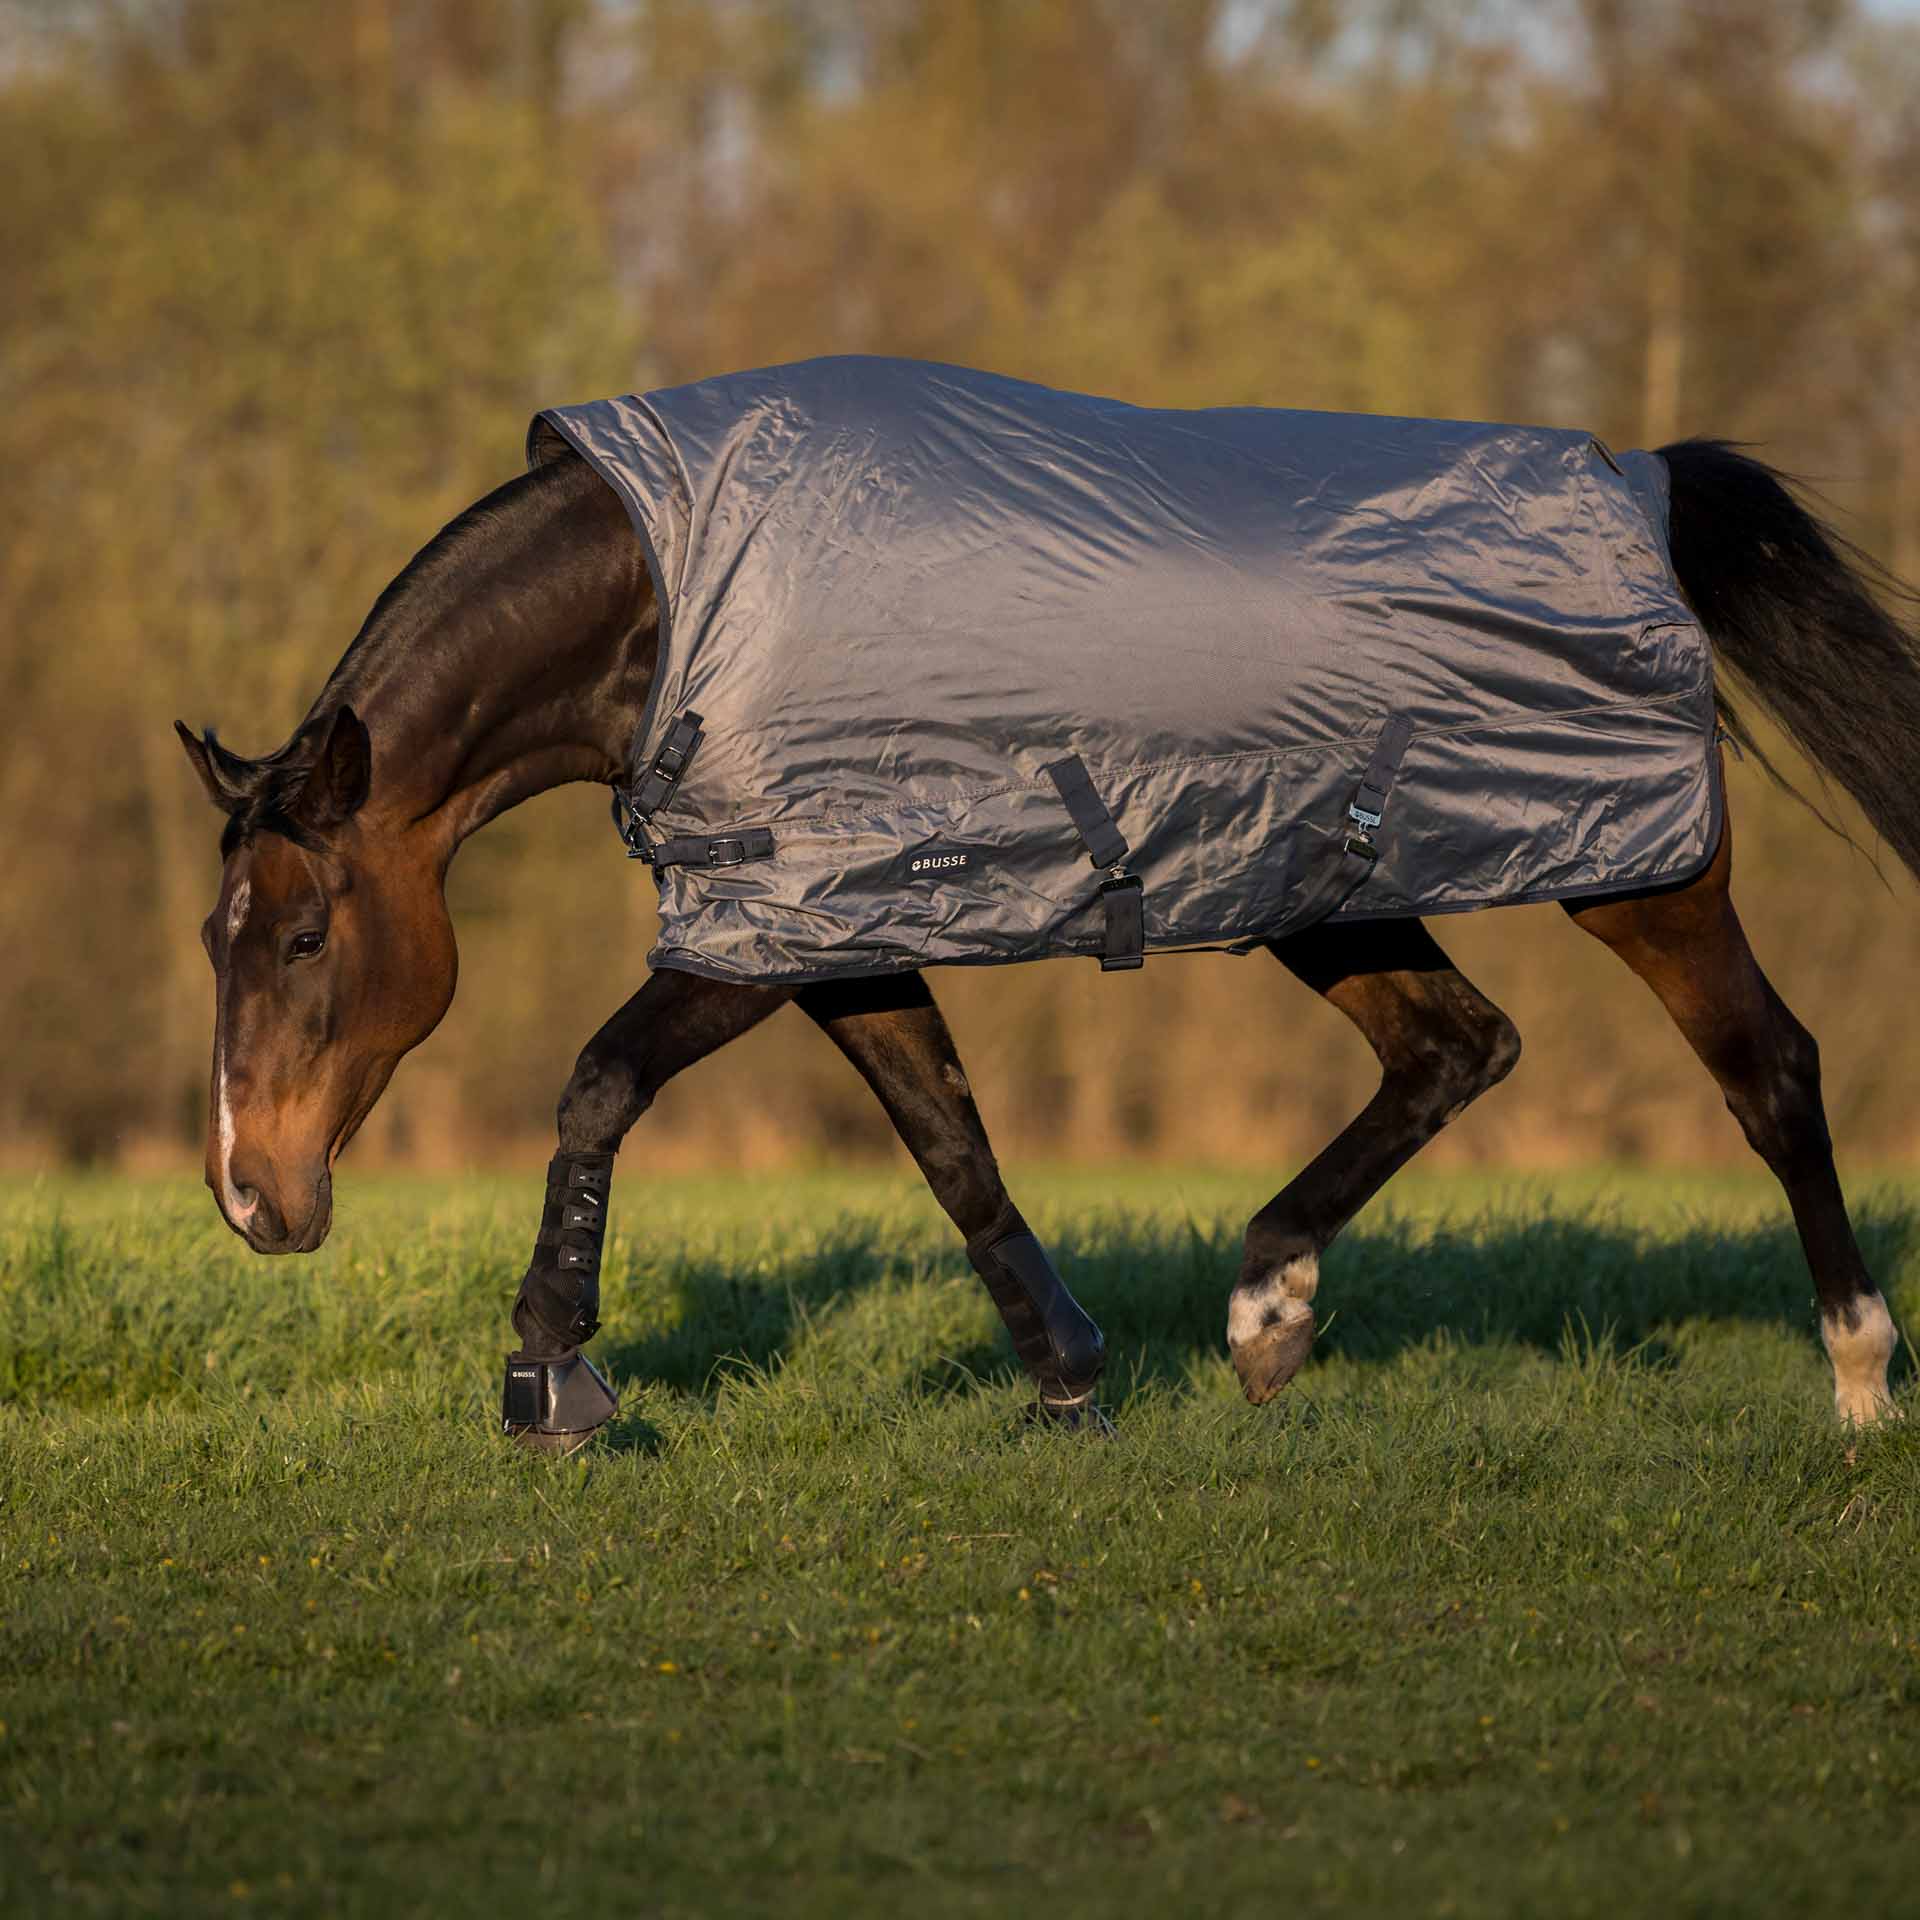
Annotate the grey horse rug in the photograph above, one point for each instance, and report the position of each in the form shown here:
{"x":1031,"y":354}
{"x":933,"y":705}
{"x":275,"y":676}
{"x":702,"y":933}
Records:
{"x":954,"y":668}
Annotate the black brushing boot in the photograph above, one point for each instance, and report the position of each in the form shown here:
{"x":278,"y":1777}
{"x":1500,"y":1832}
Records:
{"x":1054,"y":1335}
{"x":554,"y":1396}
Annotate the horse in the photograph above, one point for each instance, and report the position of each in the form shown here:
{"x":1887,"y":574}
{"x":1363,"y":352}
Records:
{"x":517,"y":651}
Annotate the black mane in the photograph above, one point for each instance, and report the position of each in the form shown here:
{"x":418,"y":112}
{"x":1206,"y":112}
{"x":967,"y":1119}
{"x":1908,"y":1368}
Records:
{"x":260,"y":793}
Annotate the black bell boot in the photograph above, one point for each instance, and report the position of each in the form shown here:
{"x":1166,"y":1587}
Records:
{"x":554,"y":1395}
{"x":1055,"y":1337}
{"x":555,"y":1404}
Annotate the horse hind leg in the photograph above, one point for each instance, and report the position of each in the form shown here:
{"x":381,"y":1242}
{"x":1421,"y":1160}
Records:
{"x":1441,"y":1044}
{"x":894,"y":1035}
{"x":1687,"y":944}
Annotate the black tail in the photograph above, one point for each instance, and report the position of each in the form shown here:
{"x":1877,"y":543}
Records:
{"x":1791,"y":607}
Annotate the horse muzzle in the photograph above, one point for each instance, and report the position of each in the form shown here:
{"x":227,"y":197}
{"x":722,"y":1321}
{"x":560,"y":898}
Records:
{"x":259,"y":1215}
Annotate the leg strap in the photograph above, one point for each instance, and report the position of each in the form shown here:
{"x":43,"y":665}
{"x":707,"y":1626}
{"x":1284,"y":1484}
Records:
{"x":1056,"y":1339}
{"x":559,"y":1302}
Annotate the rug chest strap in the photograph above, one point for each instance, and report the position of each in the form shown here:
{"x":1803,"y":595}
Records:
{"x":634,"y":807}
{"x":712,"y":850}
{"x":1120,"y":894}
{"x":669,"y":764}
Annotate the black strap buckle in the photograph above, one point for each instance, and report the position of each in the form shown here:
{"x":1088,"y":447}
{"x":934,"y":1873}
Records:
{"x":1125,"y":901}
{"x":721,"y":850}
{"x":668,"y":765}
{"x":626,"y":823}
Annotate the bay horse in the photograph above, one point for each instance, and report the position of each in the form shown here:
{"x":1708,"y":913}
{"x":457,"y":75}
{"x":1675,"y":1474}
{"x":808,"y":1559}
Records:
{"x":515,"y":653}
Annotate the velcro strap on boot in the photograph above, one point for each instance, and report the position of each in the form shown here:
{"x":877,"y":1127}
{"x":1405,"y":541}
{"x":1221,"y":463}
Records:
{"x":561,"y":1290}
{"x":1055,"y":1337}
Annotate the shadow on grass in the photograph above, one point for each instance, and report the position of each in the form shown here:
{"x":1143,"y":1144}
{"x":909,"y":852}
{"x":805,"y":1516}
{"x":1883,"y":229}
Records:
{"x":1160,"y":1293}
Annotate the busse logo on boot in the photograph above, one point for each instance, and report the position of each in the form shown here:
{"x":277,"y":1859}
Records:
{"x":940,"y":863}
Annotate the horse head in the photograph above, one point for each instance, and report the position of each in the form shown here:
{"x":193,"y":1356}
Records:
{"x":333,"y":955}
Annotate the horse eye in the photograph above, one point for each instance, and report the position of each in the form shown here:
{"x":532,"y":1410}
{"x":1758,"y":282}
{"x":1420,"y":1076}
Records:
{"x":303,"y":946}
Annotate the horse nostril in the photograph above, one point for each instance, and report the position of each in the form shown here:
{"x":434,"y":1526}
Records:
{"x":266,"y":1229}
{"x":245,"y":1199}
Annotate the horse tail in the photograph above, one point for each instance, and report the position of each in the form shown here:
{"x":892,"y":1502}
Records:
{"x":1800,"y":615}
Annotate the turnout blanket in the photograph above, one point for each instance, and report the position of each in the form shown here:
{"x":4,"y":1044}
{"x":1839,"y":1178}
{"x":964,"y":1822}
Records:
{"x":955,"y":668}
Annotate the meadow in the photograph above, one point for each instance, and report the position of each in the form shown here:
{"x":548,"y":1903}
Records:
{"x":1549,"y":1586}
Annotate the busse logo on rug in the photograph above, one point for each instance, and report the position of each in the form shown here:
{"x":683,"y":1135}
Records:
{"x":936,"y":863}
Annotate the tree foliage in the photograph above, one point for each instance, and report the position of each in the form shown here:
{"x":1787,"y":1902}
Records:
{"x":282,"y":285}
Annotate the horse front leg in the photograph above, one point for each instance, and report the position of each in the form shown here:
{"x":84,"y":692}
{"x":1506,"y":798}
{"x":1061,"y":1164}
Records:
{"x":1441,"y":1044}
{"x":895,"y":1036}
{"x":554,"y":1395}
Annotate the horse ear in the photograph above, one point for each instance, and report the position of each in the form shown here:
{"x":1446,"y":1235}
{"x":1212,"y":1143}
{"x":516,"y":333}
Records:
{"x":215,"y":766}
{"x":336,"y":788}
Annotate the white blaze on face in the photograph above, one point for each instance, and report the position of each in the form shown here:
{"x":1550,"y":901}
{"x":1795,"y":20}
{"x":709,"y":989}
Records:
{"x":230,"y":1204}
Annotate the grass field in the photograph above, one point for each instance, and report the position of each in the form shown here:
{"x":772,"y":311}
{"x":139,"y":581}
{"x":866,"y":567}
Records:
{"x":1548,"y":1588}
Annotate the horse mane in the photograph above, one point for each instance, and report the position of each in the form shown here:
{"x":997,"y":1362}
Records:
{"x":259,"y":793}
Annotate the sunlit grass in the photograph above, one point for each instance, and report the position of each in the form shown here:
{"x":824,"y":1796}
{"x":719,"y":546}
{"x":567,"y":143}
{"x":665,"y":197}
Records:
{"x":1549,"y":1586}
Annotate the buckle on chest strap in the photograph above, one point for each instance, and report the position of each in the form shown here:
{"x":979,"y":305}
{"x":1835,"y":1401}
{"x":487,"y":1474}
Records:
{"x":634,"y":807}
{"x":676,"y":752}
{"x":715,"y":850}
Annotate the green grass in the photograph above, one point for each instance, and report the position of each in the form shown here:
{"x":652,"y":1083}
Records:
{"x":1549,"y":1587}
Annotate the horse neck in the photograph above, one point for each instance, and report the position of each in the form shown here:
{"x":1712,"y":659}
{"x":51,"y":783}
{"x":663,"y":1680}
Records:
{"x":514,"y":654}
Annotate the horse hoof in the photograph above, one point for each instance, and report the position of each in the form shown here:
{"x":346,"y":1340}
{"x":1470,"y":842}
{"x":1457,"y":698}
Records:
{"x":556,"y":1443}
{"x":1267,"y":1361}
{"x":1071,"y":1416}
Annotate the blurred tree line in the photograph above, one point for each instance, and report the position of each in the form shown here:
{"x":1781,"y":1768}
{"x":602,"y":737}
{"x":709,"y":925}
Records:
{"x":279,"y":287}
